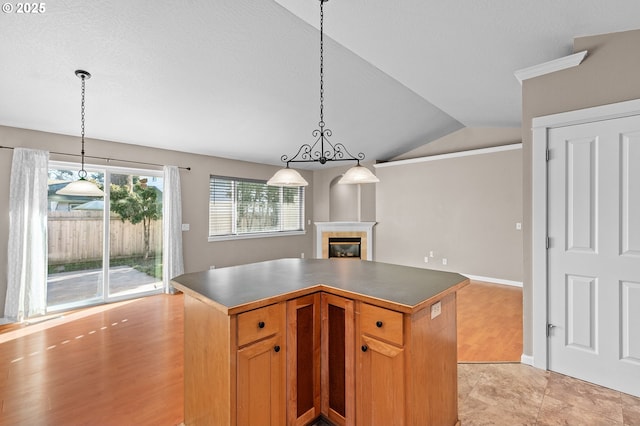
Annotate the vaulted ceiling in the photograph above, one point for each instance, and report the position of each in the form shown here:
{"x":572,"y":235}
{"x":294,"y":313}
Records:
{"x":240,"y":78}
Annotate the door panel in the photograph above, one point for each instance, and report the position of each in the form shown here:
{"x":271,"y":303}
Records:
{"x":261,"y":383}
{"x":593,"y":259}
{"x":381,"y":387}
{"x":630,"y":171}
{"x":135,"y":234}
{"x":581,"y":194}
{"x":581,"y":312}
{"x":75,"y":228}
{"x":303,"y":359}
{"x":338,"y":360}
{"x":631,"y":322}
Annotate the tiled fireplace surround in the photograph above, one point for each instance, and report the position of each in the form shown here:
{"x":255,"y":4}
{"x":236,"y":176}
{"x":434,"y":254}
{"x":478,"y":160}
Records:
{"x":326,"y":230}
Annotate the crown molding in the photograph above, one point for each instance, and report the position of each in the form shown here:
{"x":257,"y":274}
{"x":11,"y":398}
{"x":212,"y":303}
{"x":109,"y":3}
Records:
{"x":551,"y":66}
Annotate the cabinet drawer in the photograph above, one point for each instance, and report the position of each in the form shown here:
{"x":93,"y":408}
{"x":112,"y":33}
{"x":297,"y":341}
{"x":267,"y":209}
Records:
{"x":259,"y":323}
{"x":381,"y":323}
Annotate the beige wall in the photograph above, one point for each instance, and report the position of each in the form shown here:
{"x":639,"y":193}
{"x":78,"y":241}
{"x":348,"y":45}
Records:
{"x":326,"y":189}
{"x":463,"y":209}
{"x":199,"y":254}
{"x":609,"y":74}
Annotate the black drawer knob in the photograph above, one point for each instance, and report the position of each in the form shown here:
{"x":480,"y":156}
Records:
{"x":378,"y":324}
{"x":276,"y":348}
{"x":364,"y":348}
{"x":261,"y":324}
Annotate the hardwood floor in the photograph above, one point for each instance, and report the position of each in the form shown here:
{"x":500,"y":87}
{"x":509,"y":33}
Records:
{"x":118,"y":364}
{"x":489,"y":323}
{"x":122,"y":364}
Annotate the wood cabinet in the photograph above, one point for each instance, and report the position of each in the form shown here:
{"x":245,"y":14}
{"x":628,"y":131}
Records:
{"x":338,"y":360}
{"x":381,"y":367}
{"x":343,"y":352}
{"x":235,"y":365}
{"x":261,"y":363}
{"x":303,"y":359}
{"x":406,"y":365}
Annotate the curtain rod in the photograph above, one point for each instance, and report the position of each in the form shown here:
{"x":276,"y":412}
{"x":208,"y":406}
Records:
{"x":105,"y":158}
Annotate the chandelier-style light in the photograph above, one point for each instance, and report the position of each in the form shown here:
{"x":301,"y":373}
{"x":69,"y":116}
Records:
{"x":82,"y":187}
{"x":322,"y":150}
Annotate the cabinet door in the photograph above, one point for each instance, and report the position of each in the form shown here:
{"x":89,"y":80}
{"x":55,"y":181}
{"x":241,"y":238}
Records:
{"x":303,"y":359}
{"x":380,"y":379}
{"x":260,"y":385}
{"x":338,"y":360}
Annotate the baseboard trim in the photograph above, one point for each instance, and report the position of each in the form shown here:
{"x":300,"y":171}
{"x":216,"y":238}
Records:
{"x":494,"y":280}
{"x":526,"y":359}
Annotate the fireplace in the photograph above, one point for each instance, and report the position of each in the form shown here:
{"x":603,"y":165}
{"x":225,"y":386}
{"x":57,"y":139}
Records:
{"x":345,"y":235}
{"x":345,"y":247}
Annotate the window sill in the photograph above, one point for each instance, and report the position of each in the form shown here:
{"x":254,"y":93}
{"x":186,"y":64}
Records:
{"x":257,"y":235}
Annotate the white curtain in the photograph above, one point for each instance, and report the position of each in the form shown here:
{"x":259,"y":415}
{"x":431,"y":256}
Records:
{"x":172,"y":263}
{"x":27,"y":260}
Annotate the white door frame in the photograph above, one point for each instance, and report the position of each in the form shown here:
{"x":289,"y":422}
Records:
{"x":540,"y":130}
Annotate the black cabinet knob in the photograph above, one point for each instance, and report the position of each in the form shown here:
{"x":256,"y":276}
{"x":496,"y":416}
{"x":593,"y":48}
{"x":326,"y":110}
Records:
{"x":276,"y":348}
{"x":261,"y":324}
{"x":364,"y":348}
{"x":378,"y":324}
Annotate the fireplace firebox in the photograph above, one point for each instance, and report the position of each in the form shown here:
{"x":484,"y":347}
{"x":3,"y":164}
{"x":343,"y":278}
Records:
{"x":345,"y":247}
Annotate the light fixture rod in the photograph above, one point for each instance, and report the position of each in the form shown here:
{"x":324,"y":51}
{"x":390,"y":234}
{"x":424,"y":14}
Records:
{"x":322,"y":150}
{"x":82,"y":75}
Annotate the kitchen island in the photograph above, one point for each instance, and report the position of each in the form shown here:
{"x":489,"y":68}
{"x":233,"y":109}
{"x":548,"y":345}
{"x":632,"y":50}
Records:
{"x":285,"y":342}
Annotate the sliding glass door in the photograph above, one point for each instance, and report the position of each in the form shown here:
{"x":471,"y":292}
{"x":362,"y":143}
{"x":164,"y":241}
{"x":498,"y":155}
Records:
{"x":135,"y":234}
{"x":102,"y":249}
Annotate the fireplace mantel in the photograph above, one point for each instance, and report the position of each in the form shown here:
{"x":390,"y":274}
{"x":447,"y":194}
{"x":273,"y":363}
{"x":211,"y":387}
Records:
{"x":345,"y":229}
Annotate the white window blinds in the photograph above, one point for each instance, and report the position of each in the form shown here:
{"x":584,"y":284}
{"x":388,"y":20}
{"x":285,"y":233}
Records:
{"x":243,"y":207}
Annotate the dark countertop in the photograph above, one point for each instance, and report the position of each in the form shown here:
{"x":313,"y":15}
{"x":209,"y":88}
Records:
{"x":240,"y":288}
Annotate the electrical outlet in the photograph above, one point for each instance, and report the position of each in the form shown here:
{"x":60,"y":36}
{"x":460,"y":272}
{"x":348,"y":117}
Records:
{"x":518,"y":226}
{"x":431,"y":253}
{"x":444,"y":260}
{"x":301,"y":255}
{"x":212,"y":267}
{"x":426,"y":259}
{"x":436,"y":309}
{"x":185,"y":226}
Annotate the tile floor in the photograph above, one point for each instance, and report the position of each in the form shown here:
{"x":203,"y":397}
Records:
{"x":517,"y":394}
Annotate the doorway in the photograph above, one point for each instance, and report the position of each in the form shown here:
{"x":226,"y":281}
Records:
{"x":587,"y":274}
{"x":103,"y":249}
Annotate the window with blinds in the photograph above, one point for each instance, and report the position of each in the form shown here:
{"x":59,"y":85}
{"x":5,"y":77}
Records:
{"x":249,"y":208}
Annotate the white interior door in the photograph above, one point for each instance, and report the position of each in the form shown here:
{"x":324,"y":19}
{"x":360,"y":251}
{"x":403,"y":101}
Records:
{"x":594,"y":255}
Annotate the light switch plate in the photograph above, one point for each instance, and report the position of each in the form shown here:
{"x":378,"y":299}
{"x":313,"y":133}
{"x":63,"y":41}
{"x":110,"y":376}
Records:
{"x":436,"y":310}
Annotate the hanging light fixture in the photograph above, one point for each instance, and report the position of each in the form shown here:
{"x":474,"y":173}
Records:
{"x":82,"y":187}
{"x":322,"y":150}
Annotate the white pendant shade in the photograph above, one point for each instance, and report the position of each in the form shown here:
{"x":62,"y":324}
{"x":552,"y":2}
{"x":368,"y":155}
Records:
{"x":81,"y":187}
{"x":358,"y":174}
{"x":287,"y":177}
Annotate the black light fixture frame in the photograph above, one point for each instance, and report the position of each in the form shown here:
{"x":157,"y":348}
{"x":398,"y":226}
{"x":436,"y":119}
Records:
{"x":82,"y":75}
{"x":326,"y":151}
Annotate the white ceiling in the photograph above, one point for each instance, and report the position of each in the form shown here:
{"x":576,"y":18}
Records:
{"x":240,"y":79}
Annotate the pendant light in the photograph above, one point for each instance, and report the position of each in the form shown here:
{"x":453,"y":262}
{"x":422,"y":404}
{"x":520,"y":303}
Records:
{"x":82,"y":187}
{"x":322,"y":150}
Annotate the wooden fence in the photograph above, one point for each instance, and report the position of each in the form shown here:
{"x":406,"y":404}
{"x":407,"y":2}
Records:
{"x":77,"y":236}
